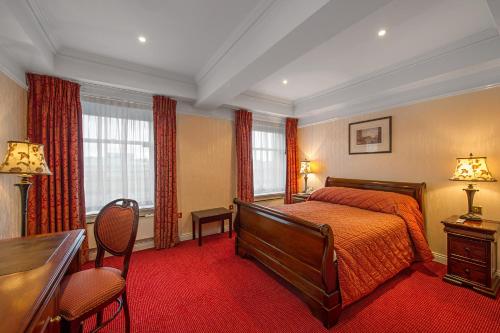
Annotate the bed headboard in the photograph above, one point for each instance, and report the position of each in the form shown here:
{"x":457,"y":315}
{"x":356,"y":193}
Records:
{"x":414,"y":190}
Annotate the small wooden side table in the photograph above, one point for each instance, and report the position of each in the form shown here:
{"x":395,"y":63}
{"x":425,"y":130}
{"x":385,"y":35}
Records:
{"x":472,"y":249}
{"x":212,"y":215}
{"x":300,"y":197}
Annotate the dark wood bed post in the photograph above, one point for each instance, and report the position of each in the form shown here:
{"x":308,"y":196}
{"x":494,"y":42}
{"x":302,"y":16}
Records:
{"x":300,"y":252}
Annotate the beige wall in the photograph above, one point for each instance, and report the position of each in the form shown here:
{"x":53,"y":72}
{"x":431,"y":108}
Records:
{"x":13,"y":100}
{"x":427,"y":137}
{"x":206,"y":166}
{"x":206,"y":174}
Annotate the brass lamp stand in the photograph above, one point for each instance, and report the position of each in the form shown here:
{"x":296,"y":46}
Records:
{"x":470,"y":190}
{"x":305,"y":169}
{"x":24,"y":187}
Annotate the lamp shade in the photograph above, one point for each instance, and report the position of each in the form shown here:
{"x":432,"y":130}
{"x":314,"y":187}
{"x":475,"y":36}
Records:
{"x":24,"y":158}
{"x":305,"y":166}
{"x":472,"y":169}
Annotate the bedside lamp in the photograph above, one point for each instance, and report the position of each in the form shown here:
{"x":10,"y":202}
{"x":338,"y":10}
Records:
{"x":472,"y":169}
{"x":24,"y":159}
{"x":305,"y":169}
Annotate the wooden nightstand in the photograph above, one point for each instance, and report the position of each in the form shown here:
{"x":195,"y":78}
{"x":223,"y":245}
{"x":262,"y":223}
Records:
{"x":472,"y":252}
{"x":300,"y":197}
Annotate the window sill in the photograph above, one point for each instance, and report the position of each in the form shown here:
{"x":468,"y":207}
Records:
{"x":271,"y":196}
{"x":144,"y":212}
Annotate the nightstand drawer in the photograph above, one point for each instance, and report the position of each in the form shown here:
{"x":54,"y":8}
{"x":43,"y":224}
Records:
{"x":468,"y":271}
{"x":468,"y":248}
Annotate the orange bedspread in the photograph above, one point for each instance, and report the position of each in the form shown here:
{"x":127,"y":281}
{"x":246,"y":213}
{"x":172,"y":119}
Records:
{"x":372,"y":243}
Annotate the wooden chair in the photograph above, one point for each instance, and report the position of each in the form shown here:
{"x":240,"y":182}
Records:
{"x":88,"y":292}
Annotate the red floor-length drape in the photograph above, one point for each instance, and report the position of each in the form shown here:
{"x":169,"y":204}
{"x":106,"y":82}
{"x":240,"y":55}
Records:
{"x":56,"y":202}
{"x":244,"y":159}
{"x":292,"y":162}
{"x":166,"y":223}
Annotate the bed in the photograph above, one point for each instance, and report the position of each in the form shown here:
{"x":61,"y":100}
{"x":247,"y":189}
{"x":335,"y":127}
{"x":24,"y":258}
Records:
{"x":297,"y":243}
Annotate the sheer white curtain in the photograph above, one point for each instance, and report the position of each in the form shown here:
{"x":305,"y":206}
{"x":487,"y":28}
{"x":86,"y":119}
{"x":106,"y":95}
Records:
{"x":118,"y":152}
{"x":268,"y":145}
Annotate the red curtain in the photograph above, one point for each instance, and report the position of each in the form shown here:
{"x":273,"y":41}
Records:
{"x":244,"y":155}
{"x":166,"y":223}
{"x":56,"y":202}
{"x":292,"y":162}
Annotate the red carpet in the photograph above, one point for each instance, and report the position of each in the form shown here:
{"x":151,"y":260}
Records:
{"x":209,"y":289}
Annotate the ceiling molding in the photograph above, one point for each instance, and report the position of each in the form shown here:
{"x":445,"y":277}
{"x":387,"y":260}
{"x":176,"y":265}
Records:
{"x":96,"y":72}
{"x":443,"y":65}
{"x":136,"y":87}
{"x":235,"y":36}
{"x":494,"y":7}
{"x":126,"y":65}
{"x":473,"y":82}
{"x":31,"y":25}
{"x":12,"y":70}
{"x":287,"y":30}
{"x":42,"y":21}
{"x":263,"y":104}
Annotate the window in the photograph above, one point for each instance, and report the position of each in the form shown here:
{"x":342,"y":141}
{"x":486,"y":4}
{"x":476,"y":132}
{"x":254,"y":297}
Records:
{"x":118,"y":153}
{"x":268,"y":145}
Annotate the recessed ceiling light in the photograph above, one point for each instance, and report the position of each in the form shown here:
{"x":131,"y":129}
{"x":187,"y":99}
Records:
{"x":285,"y":82}
{"x":382,"y":32}
{"x":142,"y":39}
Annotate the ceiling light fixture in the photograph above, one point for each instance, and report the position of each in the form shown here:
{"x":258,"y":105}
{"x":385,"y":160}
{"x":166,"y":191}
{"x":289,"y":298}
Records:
{"x":285,"y":82}
{"x":142,"y":39}
{"x":382,"y":32}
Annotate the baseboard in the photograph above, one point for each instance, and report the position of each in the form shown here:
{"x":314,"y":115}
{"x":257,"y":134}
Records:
{"x":443,"y":259}
{"x":148,"y":243}
{"x":440,"y":258}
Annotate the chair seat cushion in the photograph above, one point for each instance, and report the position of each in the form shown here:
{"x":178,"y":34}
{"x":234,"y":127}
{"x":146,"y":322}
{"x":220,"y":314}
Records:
{"x":86,"y":290}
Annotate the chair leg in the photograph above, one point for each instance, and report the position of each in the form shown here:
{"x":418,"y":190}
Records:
{"x":98,"y":320}
{"x":126,"y":312}
{"x":74,"y":326}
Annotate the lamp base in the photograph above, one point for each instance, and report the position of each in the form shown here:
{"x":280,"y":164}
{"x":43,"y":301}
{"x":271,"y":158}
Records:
{"x":471,"y":217}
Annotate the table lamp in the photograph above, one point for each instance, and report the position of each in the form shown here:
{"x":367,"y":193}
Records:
{"x":305,"y":169}
{"x":472,"y":169}
{"x":24,"y":159}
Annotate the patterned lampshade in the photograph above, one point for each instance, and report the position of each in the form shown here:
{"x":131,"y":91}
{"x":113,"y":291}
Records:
{"x":24,"y":158}
{"x":305,"y":167}
{"x":472,"y":169}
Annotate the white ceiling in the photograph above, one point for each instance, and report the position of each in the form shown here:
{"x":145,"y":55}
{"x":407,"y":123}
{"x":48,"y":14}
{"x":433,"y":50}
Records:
{"x":181,"y":34}
{"x":237,"y":52}
{"x":413,"y":28}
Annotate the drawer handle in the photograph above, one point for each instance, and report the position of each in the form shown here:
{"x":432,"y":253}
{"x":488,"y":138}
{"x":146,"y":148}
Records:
{"x":467,"y":271}
{"x":467,"y":249}
{"x":56,"y":319}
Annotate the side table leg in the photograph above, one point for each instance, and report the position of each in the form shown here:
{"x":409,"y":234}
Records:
{"x":194,"y":229}
{"x":199,"y":233}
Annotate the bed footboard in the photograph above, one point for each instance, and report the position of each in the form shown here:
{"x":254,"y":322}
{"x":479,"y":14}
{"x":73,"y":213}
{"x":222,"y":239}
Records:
{"x":298,"y":251}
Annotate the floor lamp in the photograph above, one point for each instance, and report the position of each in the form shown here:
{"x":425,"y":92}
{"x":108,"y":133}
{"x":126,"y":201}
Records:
{"x":24,"y":159}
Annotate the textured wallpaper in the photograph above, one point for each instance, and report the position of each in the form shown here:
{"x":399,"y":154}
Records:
{"x":13,"y":102}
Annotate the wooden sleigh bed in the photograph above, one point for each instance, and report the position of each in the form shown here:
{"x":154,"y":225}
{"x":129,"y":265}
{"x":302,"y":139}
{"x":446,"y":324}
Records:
{"x":301,"y":252}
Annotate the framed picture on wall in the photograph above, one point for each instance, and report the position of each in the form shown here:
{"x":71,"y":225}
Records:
{"x":371,"y":136}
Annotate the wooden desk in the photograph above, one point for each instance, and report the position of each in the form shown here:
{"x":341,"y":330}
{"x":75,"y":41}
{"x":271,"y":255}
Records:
{"x":31,"y":270}
{"x":212,"y":215}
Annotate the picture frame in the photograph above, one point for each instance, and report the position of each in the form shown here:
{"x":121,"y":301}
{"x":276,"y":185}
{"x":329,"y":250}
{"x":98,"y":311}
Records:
{"x":372,"y":136}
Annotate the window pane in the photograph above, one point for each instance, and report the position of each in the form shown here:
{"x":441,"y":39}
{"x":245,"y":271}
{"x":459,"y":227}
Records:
{"x":268,"y":144}
{"x":118,"y":149}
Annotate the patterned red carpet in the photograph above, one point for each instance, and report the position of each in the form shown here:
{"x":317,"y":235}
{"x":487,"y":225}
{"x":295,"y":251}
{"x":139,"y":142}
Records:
{"x":209,"y":289}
